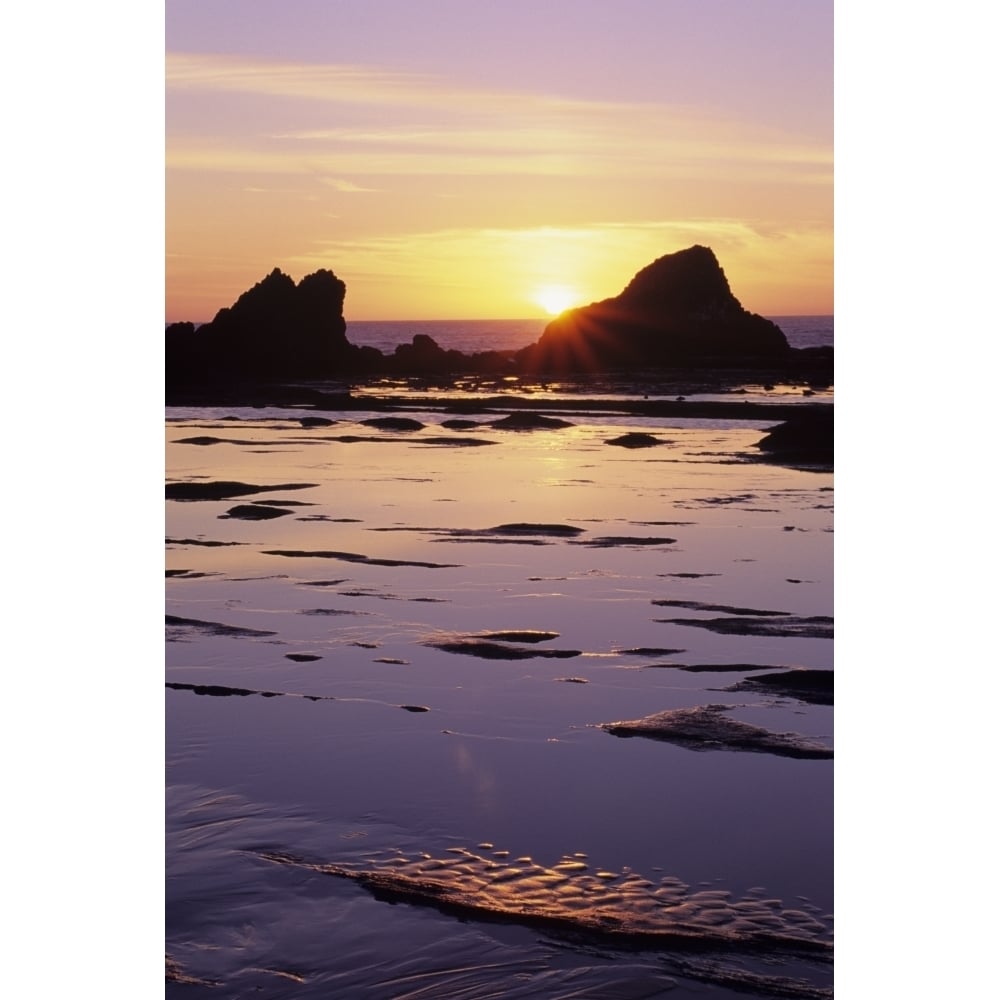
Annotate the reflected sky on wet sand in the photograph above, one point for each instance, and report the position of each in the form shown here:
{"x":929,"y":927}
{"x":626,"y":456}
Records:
{"x":418,"y":655}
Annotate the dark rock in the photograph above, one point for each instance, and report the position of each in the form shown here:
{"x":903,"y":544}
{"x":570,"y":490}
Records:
{"x":254,"y":512}
{"x":277,"y":329}
{"x":424,"y":357}
{"x":529,"y":422}
{"x":814,"y":627}
{"x":460,"y":425}
{"x":394,"y":423}
{"x":355,"y":557}
{"x":677,"y":311}
{"x":224,"y":490}
{"x":302,"y":657}
{"x":635,"y":440}
{"x":316,"y":421}
{"x":804,"y":439}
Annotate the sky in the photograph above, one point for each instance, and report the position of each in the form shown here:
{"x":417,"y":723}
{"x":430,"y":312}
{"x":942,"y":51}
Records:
{"x":459,"y":160}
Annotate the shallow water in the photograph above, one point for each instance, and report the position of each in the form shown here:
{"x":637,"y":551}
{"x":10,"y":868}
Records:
{"x":307,"y":796}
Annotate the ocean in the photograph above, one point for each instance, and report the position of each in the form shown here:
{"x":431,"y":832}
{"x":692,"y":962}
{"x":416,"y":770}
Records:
{"x":459,"y":707}
{"x":471,"y":336}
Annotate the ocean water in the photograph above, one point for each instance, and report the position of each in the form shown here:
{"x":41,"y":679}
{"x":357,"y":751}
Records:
{"x":476,"y":335}
{"x":392,"y":660}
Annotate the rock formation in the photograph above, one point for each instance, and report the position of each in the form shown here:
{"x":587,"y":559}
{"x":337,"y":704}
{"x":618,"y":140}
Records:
{"x":277,"y":329}
{"x":677,"y":311}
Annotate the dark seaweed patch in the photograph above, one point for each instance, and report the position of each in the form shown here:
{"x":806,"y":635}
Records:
{"x":713,"y":668}
{"x":208,"y":543}
{"x":707,"y":727}
{"x":354,"y":557}
{"x":224,"y":490}
{"x":303,"y":657}
{"x":649,"y":651}
{"x":284,"y":503}
{"x":491,"y":540}
{"x":816,"y":627}
{"x":223,"y":691}
{"x":724,"y":608}
{"x":414,"y":708}
{"x":812,"y":686}
{"x":689,"y":576}
{"x":498,"y":651}
{"x":454,"y":442}
{"x":316,"y":421}
{"x":186,"y":574}
{"x":555,"y":530}
{"x":332,"y":520}
{"x":216,"y":628}
{"x":616,"y":541}
{"x":664,"y":524}
{"x":502,"y":534}
{"x":329,"y":611}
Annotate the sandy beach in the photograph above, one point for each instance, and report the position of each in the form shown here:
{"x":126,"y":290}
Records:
{"x":555,"y":680}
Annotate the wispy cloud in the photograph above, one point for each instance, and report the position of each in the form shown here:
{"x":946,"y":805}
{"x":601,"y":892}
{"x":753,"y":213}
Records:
{"x":348,"y":84}
{"x":420,"y":124}
{"x":346,"y":187}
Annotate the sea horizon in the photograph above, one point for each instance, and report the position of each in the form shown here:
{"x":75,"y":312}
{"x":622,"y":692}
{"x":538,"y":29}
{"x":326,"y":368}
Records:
{"x":474,"y":335}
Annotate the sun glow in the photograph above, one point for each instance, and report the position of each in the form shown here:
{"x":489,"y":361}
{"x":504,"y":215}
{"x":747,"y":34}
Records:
{"x":555,"y":298}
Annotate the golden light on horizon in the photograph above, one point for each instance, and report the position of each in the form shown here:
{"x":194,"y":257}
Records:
{"x":555,"y":299}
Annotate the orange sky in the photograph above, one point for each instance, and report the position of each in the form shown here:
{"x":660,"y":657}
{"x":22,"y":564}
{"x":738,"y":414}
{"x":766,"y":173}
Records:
{"x":457,"y":165}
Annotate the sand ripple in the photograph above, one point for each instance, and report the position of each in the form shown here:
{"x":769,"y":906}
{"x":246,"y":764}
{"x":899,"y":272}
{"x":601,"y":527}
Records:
{"x":622,"y":911}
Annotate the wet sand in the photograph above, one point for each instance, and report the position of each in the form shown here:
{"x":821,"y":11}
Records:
{"x":406,"y":673}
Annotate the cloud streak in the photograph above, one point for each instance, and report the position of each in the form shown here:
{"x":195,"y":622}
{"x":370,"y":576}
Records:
{"x":420,"y":124}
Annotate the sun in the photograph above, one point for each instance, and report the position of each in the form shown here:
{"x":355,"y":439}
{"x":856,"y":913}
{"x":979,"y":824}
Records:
{"x":554,"y":299}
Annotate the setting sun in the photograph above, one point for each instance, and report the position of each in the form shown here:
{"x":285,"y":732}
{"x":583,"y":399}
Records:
{"x":556,"y":298}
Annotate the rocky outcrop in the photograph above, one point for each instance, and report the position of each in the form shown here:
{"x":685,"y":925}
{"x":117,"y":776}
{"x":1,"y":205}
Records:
{"x":277,"y":329}
{"x":678,"y":311}
{"x":805,"y":439}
